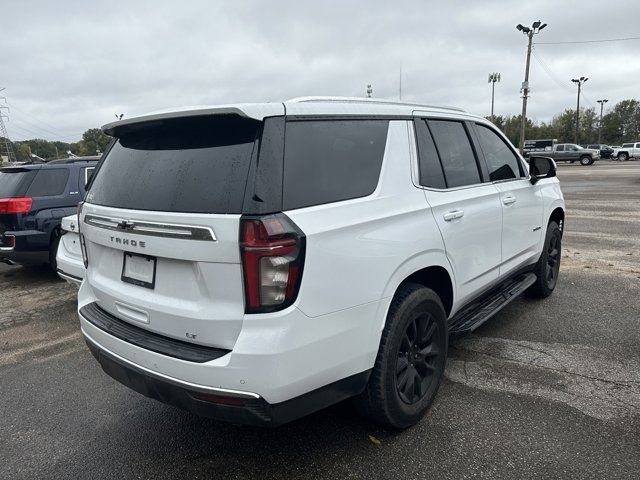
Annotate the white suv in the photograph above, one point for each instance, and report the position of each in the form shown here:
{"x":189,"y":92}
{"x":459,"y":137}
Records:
{"x":258,"y":262}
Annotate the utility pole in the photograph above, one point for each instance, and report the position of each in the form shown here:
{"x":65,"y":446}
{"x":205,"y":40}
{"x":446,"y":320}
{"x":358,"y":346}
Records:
{"x":493,"y":78}
{"x":529,"y":32}
{"x":5,"y":144}
{"x":601,"y":102}
{"x":579,"y":82}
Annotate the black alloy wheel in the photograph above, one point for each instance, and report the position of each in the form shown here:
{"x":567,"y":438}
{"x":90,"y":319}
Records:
{"x":417,"y":356}
{"x":553,"y":261}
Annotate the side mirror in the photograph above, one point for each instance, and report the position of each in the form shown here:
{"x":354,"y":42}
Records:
{"x":541,"y":167}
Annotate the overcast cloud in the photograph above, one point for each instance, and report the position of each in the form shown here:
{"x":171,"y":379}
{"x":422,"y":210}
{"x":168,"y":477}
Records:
{"x":72,"y":65}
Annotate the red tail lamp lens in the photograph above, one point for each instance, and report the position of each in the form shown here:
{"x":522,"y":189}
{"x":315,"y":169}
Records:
{"x":272,"y":250}
{"x":15,"y":205}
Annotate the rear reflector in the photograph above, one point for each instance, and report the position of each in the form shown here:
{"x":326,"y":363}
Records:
{"x":7,"y":242}
{"x":15,"y":205}
{"x":272,"y":250}
{"x":219,"y":399}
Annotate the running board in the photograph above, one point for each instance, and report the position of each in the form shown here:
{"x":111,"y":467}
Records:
{"x":481,"y":310}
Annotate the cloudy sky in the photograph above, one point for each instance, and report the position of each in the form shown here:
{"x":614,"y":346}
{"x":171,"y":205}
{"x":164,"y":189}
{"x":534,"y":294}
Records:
{"x":72,"y":65}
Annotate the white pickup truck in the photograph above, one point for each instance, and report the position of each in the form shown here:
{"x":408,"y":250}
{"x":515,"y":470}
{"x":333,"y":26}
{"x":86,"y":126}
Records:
{"x":627,"y":151}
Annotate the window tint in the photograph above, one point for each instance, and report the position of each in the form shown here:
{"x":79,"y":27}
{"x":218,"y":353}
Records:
{"x":88,"y":173}
{"x":13,"y":182}
{"x":196,"y":165}
{"x":328,"y":161}
{"x":49,"y":182}
{"x":594,"y":147}
{"x":560,"y":148}
{"x":431,"y":174}
{"x":502,"y":162}
{"x":456,"y":154}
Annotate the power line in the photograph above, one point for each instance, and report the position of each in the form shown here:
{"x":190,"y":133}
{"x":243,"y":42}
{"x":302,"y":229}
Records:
{"x":589,"y":41}
{"x":37,"y":120}
{"x":42,"y":129}
{"x":549,"y":72}
{"x":588,"y":101}
{"x":551,"y":75}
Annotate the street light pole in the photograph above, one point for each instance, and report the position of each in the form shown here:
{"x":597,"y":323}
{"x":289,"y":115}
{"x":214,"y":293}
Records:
{"x":493,"y":78}
{"x":529,"y":32}
{"x":601,"y":102}
{"x":579,"y":82}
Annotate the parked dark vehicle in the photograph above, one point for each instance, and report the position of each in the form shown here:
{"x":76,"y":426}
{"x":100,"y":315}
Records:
{"x":605,"y":150}
{"x":33,"y":200}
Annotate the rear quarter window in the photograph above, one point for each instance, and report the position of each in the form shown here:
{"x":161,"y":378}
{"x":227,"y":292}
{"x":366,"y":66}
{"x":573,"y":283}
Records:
{"x":331,"y":160}
{"x":49,"y":182}
{"x":191,"y":165}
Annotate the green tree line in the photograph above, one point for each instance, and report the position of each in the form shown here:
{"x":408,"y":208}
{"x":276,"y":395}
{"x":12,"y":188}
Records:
{"x":93,"y":142}
{"x":619,"y":125}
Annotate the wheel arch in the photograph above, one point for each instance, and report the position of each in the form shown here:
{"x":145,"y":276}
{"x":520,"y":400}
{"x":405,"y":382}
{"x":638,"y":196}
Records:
{"x":431,"y":270}
{"x":557,"y":215}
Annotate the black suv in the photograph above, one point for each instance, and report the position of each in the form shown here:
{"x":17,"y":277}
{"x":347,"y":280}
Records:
{"x":605,"y":150}
{"x":33,"y":200}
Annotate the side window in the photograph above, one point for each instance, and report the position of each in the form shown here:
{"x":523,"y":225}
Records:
{"x":88,"y":173}
{"x":431,"y":174}
{"x":457,"y":157}
{"x":331,"y":160}
{"x":49,"y":182}
{"x":502,"y":162}
{"x":560,"y":148}
{"x":637,"y":145}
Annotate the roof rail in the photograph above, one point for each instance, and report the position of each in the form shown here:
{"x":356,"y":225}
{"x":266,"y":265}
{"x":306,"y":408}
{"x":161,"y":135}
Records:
{"x":91,"y":158}
{"x":369,"y":100}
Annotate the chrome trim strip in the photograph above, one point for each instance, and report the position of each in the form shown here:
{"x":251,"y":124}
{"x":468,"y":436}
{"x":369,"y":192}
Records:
{"x":169,"y":230}
{"x":162,"y":376}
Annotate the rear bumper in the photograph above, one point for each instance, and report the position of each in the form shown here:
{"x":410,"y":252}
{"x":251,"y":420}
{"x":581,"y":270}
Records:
{"x":277,"y":356}
{"x":23,"y":258}
{"x":232,"y":406}
{"x":27,"y":248}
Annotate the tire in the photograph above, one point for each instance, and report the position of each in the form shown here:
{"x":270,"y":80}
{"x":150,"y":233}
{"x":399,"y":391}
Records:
{"x":623,"y":157}
{"x":548,"y":266}
{"x":413,"y":348}
{"x":53,"y":250}
{"x":586,"y":160}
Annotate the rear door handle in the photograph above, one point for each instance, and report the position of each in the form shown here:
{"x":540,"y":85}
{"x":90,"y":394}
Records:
{"x":509,"y":200}
{"x":452,"y":215}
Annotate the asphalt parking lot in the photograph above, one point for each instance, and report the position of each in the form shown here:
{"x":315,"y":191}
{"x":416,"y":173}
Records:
{"x":545,"y":389}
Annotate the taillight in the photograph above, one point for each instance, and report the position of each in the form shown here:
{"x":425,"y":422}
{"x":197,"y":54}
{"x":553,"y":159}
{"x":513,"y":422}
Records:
{"x":272,"y":250}
{"x":15,"y":205}
{"x":83,"y":245}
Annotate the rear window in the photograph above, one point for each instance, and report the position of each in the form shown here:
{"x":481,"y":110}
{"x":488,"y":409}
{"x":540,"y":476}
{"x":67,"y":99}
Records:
{"x":332,"y":160}
{"x":49,"y":182}
{"x":14,"y":182}
{"x":193,"y":165}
